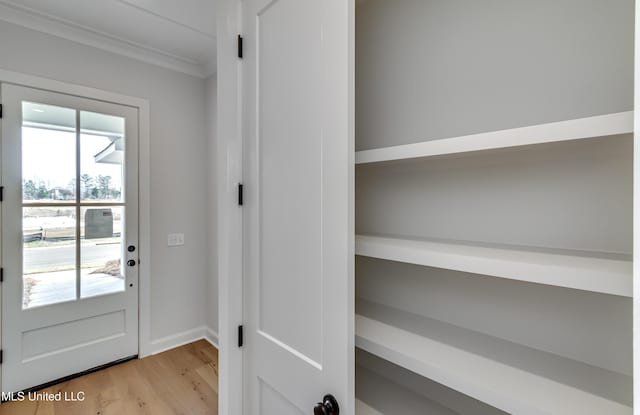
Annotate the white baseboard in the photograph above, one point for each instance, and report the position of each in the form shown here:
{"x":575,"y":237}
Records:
{"x":177,"y":340}
{"x":180,"y":339}
{"x":212,"y":337}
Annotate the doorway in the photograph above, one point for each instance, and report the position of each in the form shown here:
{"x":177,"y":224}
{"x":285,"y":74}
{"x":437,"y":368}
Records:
{"x":69,"y":235}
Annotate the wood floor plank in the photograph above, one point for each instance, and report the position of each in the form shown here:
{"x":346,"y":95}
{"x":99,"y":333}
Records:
{"x":209,"y":374}
{"x":181,"y":381}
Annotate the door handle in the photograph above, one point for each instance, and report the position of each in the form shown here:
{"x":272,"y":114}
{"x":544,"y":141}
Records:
{"x":328,"y":406}
{"x":131,"y":262}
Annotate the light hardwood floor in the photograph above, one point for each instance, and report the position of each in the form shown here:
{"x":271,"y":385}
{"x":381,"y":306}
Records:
{"x":179,"y":381}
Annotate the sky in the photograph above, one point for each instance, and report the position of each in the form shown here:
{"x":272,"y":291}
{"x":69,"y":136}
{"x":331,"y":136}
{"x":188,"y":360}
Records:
{"x":49,"y":156}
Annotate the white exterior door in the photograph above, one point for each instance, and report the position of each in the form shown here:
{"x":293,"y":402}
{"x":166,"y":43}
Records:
{"x":69,"y":235}
{"x":298,"y":206}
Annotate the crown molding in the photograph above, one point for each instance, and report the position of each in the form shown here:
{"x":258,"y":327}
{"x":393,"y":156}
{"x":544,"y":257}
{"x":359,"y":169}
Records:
{"x":128,"y":3}
{"x":55,"y":26}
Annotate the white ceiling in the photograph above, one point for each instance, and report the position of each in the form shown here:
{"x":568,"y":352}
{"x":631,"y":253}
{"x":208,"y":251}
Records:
{"x":177,"y":34}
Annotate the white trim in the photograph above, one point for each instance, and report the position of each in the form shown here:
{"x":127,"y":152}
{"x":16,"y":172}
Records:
{"x":185,"y":337}
{"x":53,"y":85}
{"x":144,"y":175}
{"x":597,"y":126}
{"x":229,"y":216}
{"x":144,"y":229}
{"x":135,"y":5}
{"x":52,"y":25}
{"x":211,"y":336}
{"x":636,"y":225}
{"x":180,"y":339}
{"x":1,"y":246}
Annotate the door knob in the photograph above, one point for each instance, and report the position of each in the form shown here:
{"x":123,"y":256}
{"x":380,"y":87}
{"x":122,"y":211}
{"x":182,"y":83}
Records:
{"x":131,"y":262}
{"x":328,"y":406}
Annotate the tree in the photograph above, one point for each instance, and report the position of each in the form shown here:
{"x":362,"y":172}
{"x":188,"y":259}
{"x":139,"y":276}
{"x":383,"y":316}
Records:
{"x":104,"y":183}
{"x":29,"y":190}
{"x":86,"y":182}
{"x":42,"y":192}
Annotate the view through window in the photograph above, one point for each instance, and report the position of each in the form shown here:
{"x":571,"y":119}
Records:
{"x":73,"y":204}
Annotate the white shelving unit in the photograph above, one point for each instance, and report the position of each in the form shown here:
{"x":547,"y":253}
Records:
{"x":495,"y":269}
{"x":510,"y":377}
{"x":608,"y":274}
{"x":591,"y":127}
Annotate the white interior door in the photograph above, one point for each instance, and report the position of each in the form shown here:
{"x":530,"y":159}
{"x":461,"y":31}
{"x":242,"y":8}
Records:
{"x":299,"y":298}
{"x":69,"y":235}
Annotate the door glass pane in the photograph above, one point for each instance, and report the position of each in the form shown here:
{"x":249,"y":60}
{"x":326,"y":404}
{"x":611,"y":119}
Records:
{"x":49,"y":255}
{"x":57,"y":257}
{"x":101,"y":157}
{"x":101,"y":251}
{"x":48,"y":153}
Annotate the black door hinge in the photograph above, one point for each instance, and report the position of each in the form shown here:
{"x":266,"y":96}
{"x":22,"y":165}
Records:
{"x":240,"y":336}
{"x":240,"y":46}
{"x":0,"y":110}
{"x":1,"y":193}
{"x":1,"y":356}
{"x":240,"y":194}
{"x":1,"y":274}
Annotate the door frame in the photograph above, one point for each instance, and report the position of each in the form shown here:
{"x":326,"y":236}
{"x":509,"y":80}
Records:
{"x":144,"y":176}
{"x":229,"y":173}
{"x":636,"y":219}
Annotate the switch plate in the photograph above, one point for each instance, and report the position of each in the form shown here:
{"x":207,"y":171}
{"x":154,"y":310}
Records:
{"x":175,"y":239}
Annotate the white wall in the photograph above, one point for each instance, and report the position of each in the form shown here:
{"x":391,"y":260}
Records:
{"x":179,"y":165}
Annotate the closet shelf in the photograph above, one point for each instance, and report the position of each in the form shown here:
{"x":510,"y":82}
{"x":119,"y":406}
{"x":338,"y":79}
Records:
{"x":588,"y":271}
{"x":364,"y":409}
{"x":508,"y":376}
{"x":591,"y":127}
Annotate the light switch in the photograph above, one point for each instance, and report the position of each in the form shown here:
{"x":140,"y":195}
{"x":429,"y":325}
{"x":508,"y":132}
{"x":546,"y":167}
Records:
{"x":175,"y":239}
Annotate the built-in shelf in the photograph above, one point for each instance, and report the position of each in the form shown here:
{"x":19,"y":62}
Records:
{"x":385,"y":388}
{"x":511,"y":377}
{"x":598,"y":126}
{"x":364,"y":409}
{"x":602,"y":273}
